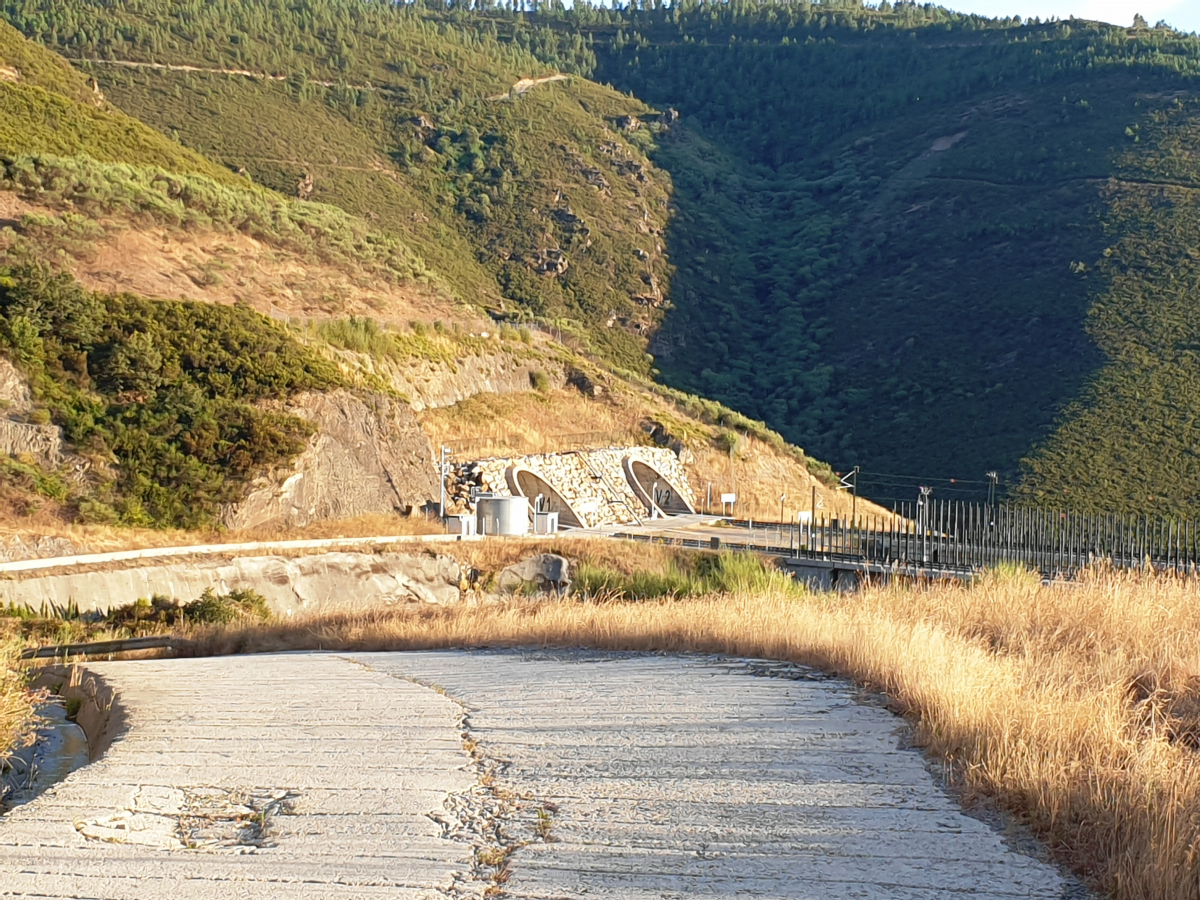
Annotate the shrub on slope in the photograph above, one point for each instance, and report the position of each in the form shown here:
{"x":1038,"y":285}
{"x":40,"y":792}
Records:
{"x":171,"y":393}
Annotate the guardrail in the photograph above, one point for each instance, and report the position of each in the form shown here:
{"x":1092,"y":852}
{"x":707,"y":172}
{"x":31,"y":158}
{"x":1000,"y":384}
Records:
{"x":103,"y":648}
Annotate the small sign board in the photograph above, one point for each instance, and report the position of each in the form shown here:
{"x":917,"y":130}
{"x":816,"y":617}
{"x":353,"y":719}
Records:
{"x":728,"y":498}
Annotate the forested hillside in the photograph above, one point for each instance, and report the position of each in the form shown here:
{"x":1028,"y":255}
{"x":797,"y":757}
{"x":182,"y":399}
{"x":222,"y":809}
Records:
{"x":910,"y":240}
{"x":920,"y":205}
{"x":526,"y":198}
{"x":122,"y":405}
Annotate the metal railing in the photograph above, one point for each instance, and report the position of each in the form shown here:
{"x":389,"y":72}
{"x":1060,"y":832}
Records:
{"x":958,"y":538}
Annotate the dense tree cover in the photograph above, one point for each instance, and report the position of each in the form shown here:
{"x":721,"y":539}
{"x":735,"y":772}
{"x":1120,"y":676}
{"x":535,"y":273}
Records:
{"x":51,"y":108}
{"x":1131,"y":440}
{"x":889,"y":223}
{"x":171,"y":393}
{"x":898,"y":234}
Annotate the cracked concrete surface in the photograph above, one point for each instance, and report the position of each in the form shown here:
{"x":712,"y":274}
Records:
{"x":669,"y":777}
{"x":583,"y":775}
{"x":287,"y":776}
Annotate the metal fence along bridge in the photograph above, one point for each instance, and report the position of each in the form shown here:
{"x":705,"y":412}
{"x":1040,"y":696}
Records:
{"x":932,"y":538}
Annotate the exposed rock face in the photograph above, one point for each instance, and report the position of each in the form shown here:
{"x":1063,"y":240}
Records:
{"x":15,"y":397}
{"x":366,"y":457}
{"x":18,"y":437}
{"x":42,"y":442}
{"x":583,"y":383}
{"x":329,"y":581}
{"x":550,"y":262}
{"x":33,"y":547}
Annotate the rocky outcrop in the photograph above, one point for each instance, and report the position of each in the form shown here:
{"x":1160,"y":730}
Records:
{"x":42,"y":442}
{"x":15,"y":397}
{"x":430,"y":385}
{"x":308,"y":584}
{"x":33,"y":547}
{"x":368,"y":455}
{"x":552,"y":261}
{"x":584,"y":383}
{"x":546,"y":572}
{"x":17,"y":436}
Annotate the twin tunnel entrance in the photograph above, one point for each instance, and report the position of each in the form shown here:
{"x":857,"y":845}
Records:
{"x":655,"y":493}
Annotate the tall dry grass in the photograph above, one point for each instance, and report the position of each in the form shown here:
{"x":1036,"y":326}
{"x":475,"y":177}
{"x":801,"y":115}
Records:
{"x":16,"y":703}
{"x":1075,"y":707}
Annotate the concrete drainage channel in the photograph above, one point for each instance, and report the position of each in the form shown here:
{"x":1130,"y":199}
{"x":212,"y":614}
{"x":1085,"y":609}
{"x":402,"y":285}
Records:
{"x":59,"y":748}
{"x":487,"y":774}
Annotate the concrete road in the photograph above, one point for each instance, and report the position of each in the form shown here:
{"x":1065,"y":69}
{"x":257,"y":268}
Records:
{"x":539,"y":775}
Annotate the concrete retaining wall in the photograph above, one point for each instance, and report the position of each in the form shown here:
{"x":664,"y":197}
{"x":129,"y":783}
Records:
{"x":307,"y":584}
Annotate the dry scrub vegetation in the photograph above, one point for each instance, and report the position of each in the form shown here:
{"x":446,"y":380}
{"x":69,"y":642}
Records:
{"x":1076,"y":707}
{"x":16,"y":704}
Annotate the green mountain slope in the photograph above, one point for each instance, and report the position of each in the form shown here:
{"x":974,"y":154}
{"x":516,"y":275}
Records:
{"x":911,"y":240}
{"x":48,"y":108}
{"x":530,"y":201}
{"x":1131,"y":440}
{"x":891,"y":228}
{"x":165,"y":405}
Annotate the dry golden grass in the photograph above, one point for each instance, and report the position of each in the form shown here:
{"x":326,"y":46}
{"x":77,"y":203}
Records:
{"x":539,"y":422}
{"x":16,"y":704}
{"x":492,"y":555}
{"x":1075,"y":707}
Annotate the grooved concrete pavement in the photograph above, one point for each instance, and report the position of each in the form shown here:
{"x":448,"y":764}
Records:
{"x":615,"y":775}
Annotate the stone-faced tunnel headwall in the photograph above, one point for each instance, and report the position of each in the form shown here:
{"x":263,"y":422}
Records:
{"x":595,"y":487}
{"x":655,"y":488}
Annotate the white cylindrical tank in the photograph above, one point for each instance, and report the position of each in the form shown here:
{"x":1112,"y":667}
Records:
{"x":502,"y":515}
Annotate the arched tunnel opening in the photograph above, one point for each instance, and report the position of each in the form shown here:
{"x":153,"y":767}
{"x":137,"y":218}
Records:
{"x":654,"y":489}
{"x":527,"y":483}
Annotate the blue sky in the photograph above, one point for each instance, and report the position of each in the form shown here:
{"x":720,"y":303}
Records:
{"x":1182,"y":14}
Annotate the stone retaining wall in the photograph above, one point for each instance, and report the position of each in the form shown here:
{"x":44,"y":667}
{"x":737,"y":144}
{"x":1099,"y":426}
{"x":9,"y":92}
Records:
{"x":592,"y":482}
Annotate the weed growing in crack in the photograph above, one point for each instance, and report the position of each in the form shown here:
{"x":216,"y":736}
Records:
{"x":543,"y":825}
